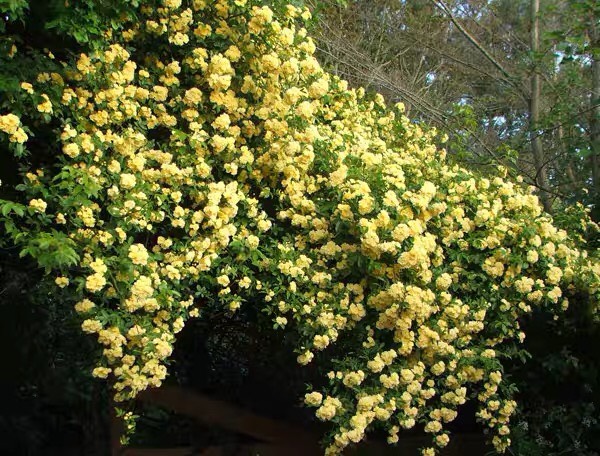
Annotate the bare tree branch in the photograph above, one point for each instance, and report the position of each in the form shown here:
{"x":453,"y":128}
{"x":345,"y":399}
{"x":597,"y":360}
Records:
{"x":446,"y":10}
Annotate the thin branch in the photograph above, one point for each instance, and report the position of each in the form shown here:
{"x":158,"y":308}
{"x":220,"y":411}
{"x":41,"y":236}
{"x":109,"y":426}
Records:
{"x":369,"y":72}
{"x":466,"y":64}
{"x":543,"y":131}
{"x":444,"y":8}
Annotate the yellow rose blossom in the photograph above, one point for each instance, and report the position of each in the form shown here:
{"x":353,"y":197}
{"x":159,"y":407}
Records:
{"x":38,"y":205}
{"x":46,"y":105}
{"x":138,"y":254}
{"x":84,"y":306}
{"x":95,"y":282}
{"x":9,"y":123}
{"x":72,"y":150}
{"x":101,"y":372}
{"x":91,"y":326}
{"x":27,"y":87}
{"x":313,"y":399}
{"x":305,"y":358}
{"x":61,"y":282}
{"x":127,"y":180}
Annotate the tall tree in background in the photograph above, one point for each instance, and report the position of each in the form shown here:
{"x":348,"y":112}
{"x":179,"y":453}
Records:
{"x":594,"y":33}
{"x":513,"y":80}
{"x":534,"y":110}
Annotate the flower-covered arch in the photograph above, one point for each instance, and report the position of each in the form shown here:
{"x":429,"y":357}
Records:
{"x":209,"y":163}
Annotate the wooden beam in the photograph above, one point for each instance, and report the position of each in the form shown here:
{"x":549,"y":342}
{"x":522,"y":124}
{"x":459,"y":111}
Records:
{"x":262,"y":449}
{"x":218,"y":413}
{"x":183,"y":451}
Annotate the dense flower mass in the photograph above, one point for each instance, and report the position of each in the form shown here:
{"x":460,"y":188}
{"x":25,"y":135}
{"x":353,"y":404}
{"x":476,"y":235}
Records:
{"x":225,"y":168}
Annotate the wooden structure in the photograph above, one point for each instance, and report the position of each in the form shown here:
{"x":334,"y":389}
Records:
{"x":268,"y":437}
{"x":272,"y":437}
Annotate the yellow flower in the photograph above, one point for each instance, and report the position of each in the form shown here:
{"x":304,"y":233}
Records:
{"x":38,"y":205}
{"x":438,"y":368}
{"x":320,"y":342}
{"x":376,"y":364}
{"x":45,"y":106}
{"x":318,"y":88}
{"x":9,"y":123}
{"x":72,"y":150}
{"x":329,"y":408}
{"x":84,"y":306}
{"x":91,"y":326}
{"x":554,"y":275}
{"x":127,"y":180}
{"x":192,"y":96}
{"x":86,"y":214}
{"x":223,"y":280}
{"x":222,"y":122}
{"x":172,"y":4}
{"x":138,"y":254}
{"x":19,"y":137}
{"x":27,"y":87}
{"x":159,"y":93}
{"x":101,"y":372}
{"x":95,"y":282}
{"x":114,"y":166}
{"x":305,"y":358}
{"x":62,"y":282}
{"x":443,"y":282}
{"x":233,"y":53}
{"x":433,"y":426}
{"x":252,"y":241}
{"x":313,"y":399}
{"x":264,"y":225}
{"x":532,"y":256}
{"x":305,"y":110}
{"x":179,"y":39}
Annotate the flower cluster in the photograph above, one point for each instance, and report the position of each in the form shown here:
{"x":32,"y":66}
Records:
{"x":223,"y":166}
{"x":11,"y":125}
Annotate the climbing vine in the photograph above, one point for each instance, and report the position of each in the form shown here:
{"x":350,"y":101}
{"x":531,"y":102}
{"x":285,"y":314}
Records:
{"x":207,"y":162}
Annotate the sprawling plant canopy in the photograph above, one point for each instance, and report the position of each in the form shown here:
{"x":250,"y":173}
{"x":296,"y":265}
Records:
{"x":209,"y":163}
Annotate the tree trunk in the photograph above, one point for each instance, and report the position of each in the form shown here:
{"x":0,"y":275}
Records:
{"x":595,"y":105}
{"x":541,"y":177}
{"x":572,"y":185}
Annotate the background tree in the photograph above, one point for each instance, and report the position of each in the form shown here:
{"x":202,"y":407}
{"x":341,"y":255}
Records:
{"x":475,"y":69}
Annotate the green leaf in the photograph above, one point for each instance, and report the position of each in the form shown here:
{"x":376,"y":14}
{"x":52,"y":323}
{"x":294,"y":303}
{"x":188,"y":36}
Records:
{"x":54,"y":250}
{"x":6,"y":207}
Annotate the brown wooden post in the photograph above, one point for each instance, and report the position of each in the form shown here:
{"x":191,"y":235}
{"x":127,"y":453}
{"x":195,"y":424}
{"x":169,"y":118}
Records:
{"x":116,"y":430}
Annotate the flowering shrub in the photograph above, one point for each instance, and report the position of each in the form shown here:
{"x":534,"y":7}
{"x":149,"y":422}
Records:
{"x":209,"y":162}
